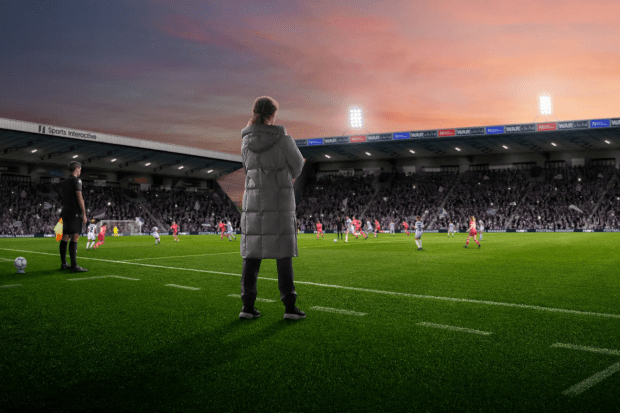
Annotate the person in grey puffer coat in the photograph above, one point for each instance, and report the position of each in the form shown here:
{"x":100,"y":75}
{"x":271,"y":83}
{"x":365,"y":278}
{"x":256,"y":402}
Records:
{"x":271,"y":161}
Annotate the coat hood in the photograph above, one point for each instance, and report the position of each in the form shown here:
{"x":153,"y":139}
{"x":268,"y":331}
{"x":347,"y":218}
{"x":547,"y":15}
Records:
{"x":258,"y":138}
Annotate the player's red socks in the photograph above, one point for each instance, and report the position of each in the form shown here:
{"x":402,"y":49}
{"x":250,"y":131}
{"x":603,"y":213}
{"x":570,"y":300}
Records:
{"x":467,"y":242}
{"x":477,"y":242}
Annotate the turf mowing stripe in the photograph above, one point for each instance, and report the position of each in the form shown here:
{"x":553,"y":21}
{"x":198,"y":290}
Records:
{"x":182,"y":286}
{"x":592,"y":380}
{"x":366,"y":290}
{"x":336,"y":310}
{"x":10,"y":286}
{"x":181,"y":256}
{"x":590,"y":349}
{"x":262,"y":300}
{"x":453,"y":328}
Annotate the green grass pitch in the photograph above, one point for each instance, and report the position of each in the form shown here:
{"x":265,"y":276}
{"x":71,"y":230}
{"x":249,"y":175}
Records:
{"x":529,"y":322}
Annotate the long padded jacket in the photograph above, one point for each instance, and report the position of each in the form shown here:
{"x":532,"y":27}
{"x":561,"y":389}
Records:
{"x":271,"y":161}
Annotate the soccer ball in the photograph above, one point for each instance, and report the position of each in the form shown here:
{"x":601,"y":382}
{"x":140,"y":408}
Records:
{"x":20,"y":264}
{"x":335,"y":239}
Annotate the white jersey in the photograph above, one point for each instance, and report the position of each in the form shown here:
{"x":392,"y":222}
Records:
{"x":154,"y":232}
{"x":452,"y":227}
{"x":229,"y":228}
{"x":480,"y":226}
{"x":368,"y":226}
{"x":419,"y":228}
{"x":91,"y":231}
{"x":349,"y":225}
{"x":392,"y":226}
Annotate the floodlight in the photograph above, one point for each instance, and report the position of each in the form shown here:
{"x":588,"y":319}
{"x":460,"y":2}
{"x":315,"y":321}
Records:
{"x":181,"y":167}
{"x":607,"y":142}
{"x":75,"y":156}
{"x":368,"y":153}
{"x":147,"y":164}
{"x":504,"y":146}
{"x":356,"y":119}
{"x":411,"y":150}
{"x":553,"y":144}
{"x":327,"y":156}
{"x":458,"y":149}
{"x":34,"y":150}
{"x":545,"y":105}
{"x":209,"y":171}
{"x":113,"y":160}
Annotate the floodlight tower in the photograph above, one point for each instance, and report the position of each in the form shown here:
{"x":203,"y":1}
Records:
{"x":356,"y":119}
{"x":545,"y":108}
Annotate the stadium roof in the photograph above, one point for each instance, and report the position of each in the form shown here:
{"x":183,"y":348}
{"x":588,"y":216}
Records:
{"x":58,"y":145}
{"x":577,"y":135}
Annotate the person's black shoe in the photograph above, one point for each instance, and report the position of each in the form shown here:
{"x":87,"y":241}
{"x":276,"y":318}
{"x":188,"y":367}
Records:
{"x":249,"y":313}
{"x":294,"y":313}
{"x":77,"y":268}
{"x":64,"y":266}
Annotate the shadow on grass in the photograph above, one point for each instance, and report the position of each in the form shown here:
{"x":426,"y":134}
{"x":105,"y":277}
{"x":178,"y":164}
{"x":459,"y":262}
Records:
{"x":163,"y":380}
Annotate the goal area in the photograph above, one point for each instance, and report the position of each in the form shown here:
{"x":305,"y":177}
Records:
{"x":124,"y":226}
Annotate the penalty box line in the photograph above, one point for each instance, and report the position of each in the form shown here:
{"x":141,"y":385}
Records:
{"x":366,"y":290}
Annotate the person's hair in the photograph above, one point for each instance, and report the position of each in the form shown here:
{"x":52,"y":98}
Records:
{"x":264,"y":108}
{"x":73,"y":165}
{"x":104,"y":225}
{"x":473,"y":218}
{"x":417,"y":217}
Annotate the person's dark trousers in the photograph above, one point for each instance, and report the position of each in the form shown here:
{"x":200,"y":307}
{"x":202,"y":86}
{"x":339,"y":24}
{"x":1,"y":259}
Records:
{"x":63,"y":252}
{"x":249,"y":276}
{"x":73,"y":253}
{"x":340,"y":234}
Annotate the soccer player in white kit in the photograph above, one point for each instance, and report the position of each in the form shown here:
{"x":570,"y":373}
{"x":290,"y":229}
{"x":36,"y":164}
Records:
{"x":480,"y":229}
{"x":392,"y":228}
{"x":155,"y":233}
{"x":451,"y":229}
{"x":229,"y":231}
{"x":419,"y":230}
{"x":91,"y":235}
{"x":349,"y":226}
{"x":369,"y":228}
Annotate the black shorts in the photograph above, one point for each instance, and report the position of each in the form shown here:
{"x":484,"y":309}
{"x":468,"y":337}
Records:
{"x":72,"y":224}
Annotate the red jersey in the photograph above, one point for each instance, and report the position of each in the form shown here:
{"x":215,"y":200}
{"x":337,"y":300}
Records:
{"x":102,"y":230}
{"x":405,"y":225}
{"x":175,"y":228}
{"x":222,"y":227}
{"x":472,"y":225}
{"x":377,"y":226}
{"x":319,"y":227}
{"x":356,"y":223}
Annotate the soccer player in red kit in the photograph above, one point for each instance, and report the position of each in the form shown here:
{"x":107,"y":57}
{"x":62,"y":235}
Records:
{"x":222,"y":228}
{"x":358,"y":227}
{"x":472,"y":231}
{"x":319,"y":230}
{"x":175,"y":228}
{"x":377,"y":228}
{"x":406,"y":227}
{"x":101,"y":236}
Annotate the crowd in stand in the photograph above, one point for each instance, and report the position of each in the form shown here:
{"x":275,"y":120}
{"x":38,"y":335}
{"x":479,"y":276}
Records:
{"x":560,"y":198}
{"x":35,"y":209}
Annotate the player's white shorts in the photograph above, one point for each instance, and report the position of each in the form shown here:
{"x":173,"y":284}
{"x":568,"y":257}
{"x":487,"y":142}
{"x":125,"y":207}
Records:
{"x":156,"y":236}
{"x":418,"y":234}
{"x":91,"y":236}
{"x":229,"y":232}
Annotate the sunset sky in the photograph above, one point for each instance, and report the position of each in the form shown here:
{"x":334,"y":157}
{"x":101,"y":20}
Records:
{"x":187,"y":72}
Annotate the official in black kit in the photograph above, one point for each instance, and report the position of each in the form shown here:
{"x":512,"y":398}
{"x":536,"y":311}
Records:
{"x":339,"y":227}
{"x":73,"y":217}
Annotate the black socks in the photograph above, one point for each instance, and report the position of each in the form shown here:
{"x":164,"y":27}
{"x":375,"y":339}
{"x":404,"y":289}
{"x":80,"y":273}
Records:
{"x":63,"y":252}
{"x":73,"y":253}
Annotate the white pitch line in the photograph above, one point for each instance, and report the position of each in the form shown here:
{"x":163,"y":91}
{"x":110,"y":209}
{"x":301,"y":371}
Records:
{"x":103,"y":276}
{"x":183,"y":286}
{"x":10,"y":285}
{"x":585,"y":348}
{"x":182,"y":256}
{"x":336,"y":310}
{"x":262,"y":300}
{"x":592,"y":380}
{"x":366,"y":290}
{"x":6,"y":260}
{"x":453,"y":328}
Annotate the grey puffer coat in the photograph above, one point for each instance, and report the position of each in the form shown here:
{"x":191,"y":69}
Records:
{"x":271,"y":161}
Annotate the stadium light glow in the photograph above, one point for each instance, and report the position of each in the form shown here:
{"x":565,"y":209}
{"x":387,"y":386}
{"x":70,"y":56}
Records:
{"x":607,"y":142}
{"x":147,"y":164}
{"x":327,"y":156}
{"x":75,"y":156}
{"x":113,"y":160}
{"x":368,"y":153}
{"x":181,"y":167}
{"x":34,"y":150}
{"x":209,"y":171}
{"x":411,"y":150}
{"x":504,"y":146}
{"x":458,"y":149}
{"x":553,"y":144}
{"x":356,"y":119}
{"x":545,"y":105}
